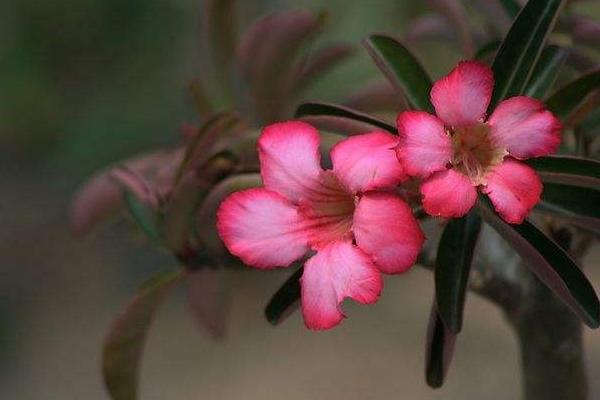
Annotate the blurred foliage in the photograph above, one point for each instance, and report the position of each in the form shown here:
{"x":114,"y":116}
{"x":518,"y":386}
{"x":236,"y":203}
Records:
{"x":87,"y":82}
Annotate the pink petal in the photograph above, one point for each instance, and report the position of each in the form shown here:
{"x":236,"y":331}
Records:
{"x":462,"y":97}
{"x":262,"y":228}
{"x":290,"y":158}
{"x":328,"y":214}
{"x":448,"y":194}
{"x":525,"y":128}
{"x":367,"y":162}
{"x":514,"y":189}
{"x":385,"y":228}
{"x":337,"y":271}
{"x":424,"y":147}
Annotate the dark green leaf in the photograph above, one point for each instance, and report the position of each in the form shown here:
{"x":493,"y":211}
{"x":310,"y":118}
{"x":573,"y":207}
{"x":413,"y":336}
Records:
{"x":546,"y":71}
{"x":453,"y":264}
{"x":345,"y":113}
{"x":439,"y":350}
{"x":568,"y":99}
{"x":402,"y":69}
{"x":573,"y":199}
{"x":550,"y":263}
{"x":285,"y":299}
{"x":572,"y":171}
{"x":125,"y":342}
{"x":521,"y":48}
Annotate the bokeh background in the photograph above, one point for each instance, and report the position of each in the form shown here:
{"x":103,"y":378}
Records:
{"x":84,"y":83}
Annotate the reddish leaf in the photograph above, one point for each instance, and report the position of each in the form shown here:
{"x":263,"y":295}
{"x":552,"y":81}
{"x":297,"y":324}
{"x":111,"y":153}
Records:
{"x":124,"y":345}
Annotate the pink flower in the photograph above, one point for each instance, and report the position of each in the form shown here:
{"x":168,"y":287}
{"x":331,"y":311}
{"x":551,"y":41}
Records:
{"x":350,"y":216}
{"x":459,"y":150}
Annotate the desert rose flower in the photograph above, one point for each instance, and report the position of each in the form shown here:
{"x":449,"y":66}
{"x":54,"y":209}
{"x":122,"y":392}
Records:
{"x":349,"y":219}
{"x":459,"y":150}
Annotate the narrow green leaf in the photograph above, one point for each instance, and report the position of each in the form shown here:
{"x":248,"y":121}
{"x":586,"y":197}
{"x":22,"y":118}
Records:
{"x":125,"y":342}
{"x":550,"y":263}
{"x":332,"y":110}
{"x":573,"y":199}
{"x":546,"y":71}
{"x":568,"y":99}
{"x":522,"y":47}
{"x":285,"y":300}
{"x":572,"y":171}
{"x":453,"y":264}
{"x":439,"y":349}
{"x":402,"y":69}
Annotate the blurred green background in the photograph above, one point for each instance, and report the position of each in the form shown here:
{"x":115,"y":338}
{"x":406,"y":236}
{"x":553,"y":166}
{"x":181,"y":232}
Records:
{"x":84,"y":83}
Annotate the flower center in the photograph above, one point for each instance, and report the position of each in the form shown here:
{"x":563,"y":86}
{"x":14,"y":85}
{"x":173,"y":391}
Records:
{"x":474,"y":152}
{"x":328,"y":213}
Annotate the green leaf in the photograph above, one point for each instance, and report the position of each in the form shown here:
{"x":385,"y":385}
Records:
{"x":283,"y":301}
{"x":439,"y":349}
{"x":521,"y":48}
{"x":572,"y":171}
{"x":511,"y":7}
{"x":144,"y":216}
{"x":568,"y":99}
{"x":573,"y":199}
{"x":551,"y":264}
{"x":453,"y":264}
{"x":125,"y":342}
{"x":546,"y":71}
{"x":402,"y":69}
{"x":342,"y":113}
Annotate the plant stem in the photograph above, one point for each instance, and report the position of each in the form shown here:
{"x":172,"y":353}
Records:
{"x":550,"y":340}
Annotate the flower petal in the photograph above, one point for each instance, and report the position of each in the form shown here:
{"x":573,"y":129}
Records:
{"x":367,"y":162}
{"x":462,"y":97}
{"x":337,"y":271}
{"x":385,"y":228}
{"x":290,"y":158}
{"x":424,"y":146}
{"x":514,"y":189}
{"x":448,"y":194}
{"x":262,"y":228}
{"x":525,"y":128}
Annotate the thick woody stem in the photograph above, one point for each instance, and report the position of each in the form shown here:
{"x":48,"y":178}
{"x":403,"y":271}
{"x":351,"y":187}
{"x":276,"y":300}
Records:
{"x":549,"y":334}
